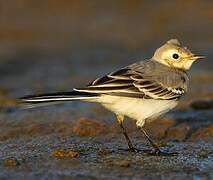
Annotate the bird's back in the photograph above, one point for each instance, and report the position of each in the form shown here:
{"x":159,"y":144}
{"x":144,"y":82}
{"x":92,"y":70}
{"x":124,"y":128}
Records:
{"x":162,"y":74}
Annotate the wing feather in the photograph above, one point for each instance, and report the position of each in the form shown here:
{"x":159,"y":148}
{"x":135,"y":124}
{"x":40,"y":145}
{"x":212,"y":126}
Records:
{"x":130,"y":83}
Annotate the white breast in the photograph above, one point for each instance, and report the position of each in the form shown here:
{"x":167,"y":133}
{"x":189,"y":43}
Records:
{"x":137,"y":109}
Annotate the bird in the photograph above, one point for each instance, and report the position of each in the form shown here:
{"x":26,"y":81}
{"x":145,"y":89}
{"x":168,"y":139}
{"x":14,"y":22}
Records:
{"x":141,"y":91}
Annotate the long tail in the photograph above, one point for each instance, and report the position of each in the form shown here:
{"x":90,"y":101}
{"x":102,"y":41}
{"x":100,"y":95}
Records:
{"x":55,"y":98}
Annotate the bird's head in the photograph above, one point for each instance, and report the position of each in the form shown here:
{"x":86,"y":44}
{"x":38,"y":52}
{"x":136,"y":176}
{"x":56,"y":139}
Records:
{"x":172,"y":54}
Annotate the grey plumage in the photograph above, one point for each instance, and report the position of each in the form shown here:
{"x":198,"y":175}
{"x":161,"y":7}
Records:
{"x":147,"y":79}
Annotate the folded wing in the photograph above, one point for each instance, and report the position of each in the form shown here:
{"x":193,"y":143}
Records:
{"x":130,"y":83}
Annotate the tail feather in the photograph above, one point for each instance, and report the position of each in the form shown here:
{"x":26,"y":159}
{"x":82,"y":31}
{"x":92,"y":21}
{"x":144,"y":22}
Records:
{"x":55,"y":98}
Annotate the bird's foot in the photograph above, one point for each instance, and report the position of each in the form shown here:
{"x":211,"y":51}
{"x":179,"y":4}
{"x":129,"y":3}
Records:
{"x":132,"y":149}
{"x":158,"y":152}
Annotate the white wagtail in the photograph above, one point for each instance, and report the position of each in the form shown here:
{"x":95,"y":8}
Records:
{"x":142,"y":91}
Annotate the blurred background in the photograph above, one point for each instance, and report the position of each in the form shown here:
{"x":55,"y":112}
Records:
{"x":55,"y":45}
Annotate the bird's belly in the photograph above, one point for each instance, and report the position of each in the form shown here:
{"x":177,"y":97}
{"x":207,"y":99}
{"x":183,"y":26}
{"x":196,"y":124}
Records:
{"x":137,"y":109}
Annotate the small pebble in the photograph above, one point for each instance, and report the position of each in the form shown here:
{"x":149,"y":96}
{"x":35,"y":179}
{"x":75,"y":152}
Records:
{"x":124,"y":163}
{"x":11,"y":162}
{"x":120,"y":163}
{"x":89,"y":127}
{"x":65,"y":154}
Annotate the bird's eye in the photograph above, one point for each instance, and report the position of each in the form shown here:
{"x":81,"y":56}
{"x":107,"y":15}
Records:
{"x":175,"y":56}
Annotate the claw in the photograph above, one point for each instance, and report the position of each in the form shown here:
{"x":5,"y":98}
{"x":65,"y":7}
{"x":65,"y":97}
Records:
{"x":135,"y":150}
{"x":160,"y":153}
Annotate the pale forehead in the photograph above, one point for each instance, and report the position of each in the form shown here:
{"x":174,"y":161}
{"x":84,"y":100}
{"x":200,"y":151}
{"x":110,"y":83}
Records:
{"x":176,"y":49}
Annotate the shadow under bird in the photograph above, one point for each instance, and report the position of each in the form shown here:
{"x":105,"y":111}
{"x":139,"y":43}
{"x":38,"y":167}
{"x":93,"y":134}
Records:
{"x":141,"y":91}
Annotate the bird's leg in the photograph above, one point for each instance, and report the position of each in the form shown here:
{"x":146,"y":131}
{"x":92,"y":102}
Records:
{"x":157,"y":150}
{"x":120,"y":119}
{"x":154,"y":145}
